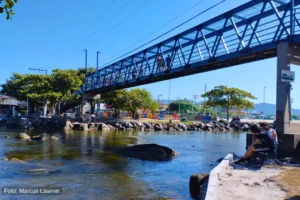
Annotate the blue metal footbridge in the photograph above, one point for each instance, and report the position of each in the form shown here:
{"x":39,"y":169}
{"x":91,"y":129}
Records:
{"x":247,"y":33}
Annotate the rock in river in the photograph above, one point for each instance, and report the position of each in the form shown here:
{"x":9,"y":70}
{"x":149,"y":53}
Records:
{"x":196,"y":181}
{"x":23,"y":136}
{"x":151,"y":152}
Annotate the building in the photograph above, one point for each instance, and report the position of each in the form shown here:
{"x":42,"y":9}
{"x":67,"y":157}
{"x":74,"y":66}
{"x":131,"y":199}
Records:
{"x":8,"y":103}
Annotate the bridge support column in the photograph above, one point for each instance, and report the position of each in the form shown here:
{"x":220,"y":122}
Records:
{"x":91,"y":98}
{"x":283,"y":102}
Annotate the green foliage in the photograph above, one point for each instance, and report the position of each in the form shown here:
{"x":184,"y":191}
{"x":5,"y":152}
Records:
{"x":59,"y":86}
{"x":7,"y":7}
{"x":296,"y":117}
{"x":226,"y":97}
{"x":184,"y":119}
{"x":203,"y":110}
{"x":38,"y":88}
{"x":153,"y":106}
{"x":130,"y":101}
{"x":183,"y":106}
{"x":81,"y":72}
{"x":117,"y":100}
{"x":66,"y":82}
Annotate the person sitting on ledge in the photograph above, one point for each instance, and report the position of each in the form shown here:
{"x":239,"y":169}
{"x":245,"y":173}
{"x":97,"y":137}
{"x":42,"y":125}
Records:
{"x":262,"y":142}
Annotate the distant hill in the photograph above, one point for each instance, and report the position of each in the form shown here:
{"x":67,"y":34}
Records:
{"x":270,"y":109}
{"x":266,"y":108}
{"x":167,"y":101}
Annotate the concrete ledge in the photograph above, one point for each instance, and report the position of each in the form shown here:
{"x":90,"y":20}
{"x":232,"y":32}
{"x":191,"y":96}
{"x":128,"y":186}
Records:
{"x":214,"y":180}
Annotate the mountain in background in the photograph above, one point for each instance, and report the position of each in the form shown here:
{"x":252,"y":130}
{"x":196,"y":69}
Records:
{"x":270,"y":109}
{"x":266,"y":108}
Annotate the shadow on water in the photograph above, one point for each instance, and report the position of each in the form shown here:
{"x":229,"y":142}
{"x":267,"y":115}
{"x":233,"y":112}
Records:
{"x":84,"y":165}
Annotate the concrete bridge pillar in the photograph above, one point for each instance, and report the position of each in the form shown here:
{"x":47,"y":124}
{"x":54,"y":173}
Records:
{"x":283,"y":89}
{"x":287,"y":54}
{"x":91,"y":98}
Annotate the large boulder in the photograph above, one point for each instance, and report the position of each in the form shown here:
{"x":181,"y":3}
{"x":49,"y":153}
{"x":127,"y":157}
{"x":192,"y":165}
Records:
{"x":16,"y":160}
{"x":196,"y":181}
{"x":147,"y":125}
{"x":158,"y":127}
{"x":56,"y":136}
{"x":151,"y":152}
{"x":103,"y":127}
{"x":23,"y":136}
{"x":182,"y":126}
{"x":76,"y":126}
{"x":69,"y":125}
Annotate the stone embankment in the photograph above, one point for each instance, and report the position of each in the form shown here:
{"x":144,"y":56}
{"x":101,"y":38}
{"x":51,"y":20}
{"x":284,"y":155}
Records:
{"x":84,"y":123}
{"x":152,"y":126}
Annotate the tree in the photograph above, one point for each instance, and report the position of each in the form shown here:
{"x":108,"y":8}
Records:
{"x":57,"y":87}
{"x":37,"y":88}
{"x":142,"y":97}
{"x":7,"y":7}
{"x":116,"y":100}
{"x":226,"y":97}
{"x":130,"y":101}
{"x":66,"y":82}
{"x":182,"y":105}
{"x":153,"y":106}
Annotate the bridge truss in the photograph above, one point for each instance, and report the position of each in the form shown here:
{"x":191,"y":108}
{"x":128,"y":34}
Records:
{"x":247,"y":33}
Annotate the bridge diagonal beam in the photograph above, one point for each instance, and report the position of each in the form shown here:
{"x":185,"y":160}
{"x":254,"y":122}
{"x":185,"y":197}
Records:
{"x":220,"y":38}
{"x":278,"y":29}
{"x":206,"y":44}
{"x":279,"y":17}
{"x":193,"y":46}
{"x":192,"y":50}
{"x":237,"y":32}
{"x":256,"y":24}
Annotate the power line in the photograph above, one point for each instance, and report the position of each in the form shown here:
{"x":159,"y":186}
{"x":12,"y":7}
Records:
{"x":114,"y":26}
{"x":215,"y":5}
{"x":121,"y":21}
{"x":119,"y":11}
{"x":93,"y":33}
{"x":132,"y":13}
{"x":39,"y":70}
{"x":81,"y":33}
{"x":193,"y":6}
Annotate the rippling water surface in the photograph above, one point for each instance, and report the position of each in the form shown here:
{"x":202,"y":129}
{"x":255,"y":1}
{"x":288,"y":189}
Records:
{"x":84,"y":165}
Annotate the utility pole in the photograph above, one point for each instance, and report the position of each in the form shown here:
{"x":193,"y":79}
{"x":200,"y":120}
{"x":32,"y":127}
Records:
{"x":97,"y":66}
{"x":159,"y":104}
{"x":195,"y":97}
{"x":179,"y":105}
{"x":85,"y":68}
{"x":40,"y":70}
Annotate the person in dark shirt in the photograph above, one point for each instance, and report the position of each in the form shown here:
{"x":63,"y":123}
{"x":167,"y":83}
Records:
{"x":262,"y":142}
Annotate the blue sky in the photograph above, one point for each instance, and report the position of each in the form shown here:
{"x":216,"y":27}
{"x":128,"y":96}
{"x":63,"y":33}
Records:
{"x":53,"y":34}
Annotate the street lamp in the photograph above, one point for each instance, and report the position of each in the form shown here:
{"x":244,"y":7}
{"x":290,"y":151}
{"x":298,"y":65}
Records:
{"x":159,"y":101}
{"x":194,"y":97}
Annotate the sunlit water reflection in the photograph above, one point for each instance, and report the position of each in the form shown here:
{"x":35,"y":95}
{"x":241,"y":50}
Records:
{"x":84,"y":165}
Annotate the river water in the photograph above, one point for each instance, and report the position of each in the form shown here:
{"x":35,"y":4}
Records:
{"x":83,"y":165}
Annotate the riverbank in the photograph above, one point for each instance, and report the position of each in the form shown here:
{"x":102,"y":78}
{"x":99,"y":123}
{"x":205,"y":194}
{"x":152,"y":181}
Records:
{"x":248,"y":182}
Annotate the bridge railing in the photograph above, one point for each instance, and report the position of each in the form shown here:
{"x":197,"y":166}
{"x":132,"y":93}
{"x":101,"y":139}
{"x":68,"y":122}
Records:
{"x":256,"y":24}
